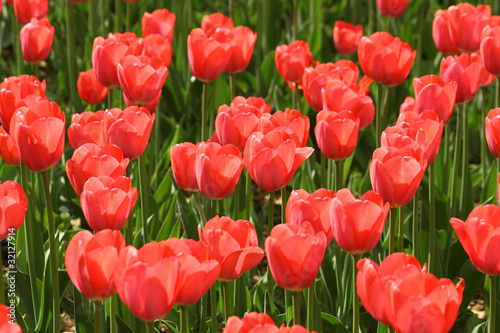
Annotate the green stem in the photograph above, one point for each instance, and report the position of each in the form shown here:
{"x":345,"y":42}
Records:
{"x":497,"y":94}
{"x":484,"y":149}
{"x":329,"y":176}
{"x":355,"y":298}
{"x":310,"y":307}
{"x":334,"y":175}
{"x":144,"y":191}
{"x":237,"y":201}
{"x":392,"y":234}
{"x":371,"y":15}
{"x":421,"y":21}
{"x":70,"y":45}
{"x":298,"y":104}
{"x":204,"y":107}
{"x":118,"y":15}
{"x":385,"y":104}
{"x":270,"y":225}
{"x":19,"y":52}
{"x":391,"y":329}
{"x":389,"y":25}
{"x":2,"y":287}
{"x":211,"y":111}
{"x":53,"y":250}
{"x":258,"y":47}
{"x":227,"y":300}
{"x":151,"y":327}
{"x":296,"y":307}
{"x":232,"y":83}
{"x":231,"y":10}
{"x":498,"y":171}
{"x":184,"y":319}
{"x":249,"y":196}
{"x":493,"y":304}
{"x":112,"y":314}
{"x":102,"y":24}
{"x":432,"y":218}
{"x":98,"y":317}
{"x":456,"y":162}
{"x":446,"y":148}
{"x":284,"y":199}
{"x":110,"y":96}
{"x":339,"y":174}
{"x":295,"y":27}
{"x":93,"y":17}
{"x":200,"y":209}
{"x":323,"y":171}
{"x":214,"y":208}
{"x":129,"y":16}
{"x":130,"y":220}
{"x":213,"y":307}
{"x":401,"y":238}
{"x":465,"y":157}
{"x":378,"y":113}
{"x":414,"y":233}
{"x":203,"y":312}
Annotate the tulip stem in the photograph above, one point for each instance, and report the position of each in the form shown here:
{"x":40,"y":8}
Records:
{"x":184,"y":319}
{"x":371,"y":15}
{"x":214,"y":208}
{"x":231,"y":12}
{"x":144,"y":189}
{"x":232,"y":83}
{"x":129,"y":16}
{"x":112,"y":314}
{"x":236,"y":200}
{"x":203,"y":312}
{"x":456,"y":159}
{"x":19,"y":52}
{"x":465,"y":157}
{"x":339,"y":173}
{"x":204,"y":107}
{"x":98,"y":320}
{"x":151,"y":327}
{"x":329,"y":176}
{"x":249,"y":196}
{"x":484,"y":150}
{"x":2,"y":287}
{"x":110,"y":98}
{"x":446,"y":148}
{"x":102,"y":17}
{"x":392,"y":234}
{"x":93,"y":17}
{"x":53,"y":250}
{"x":497,"y":95}
{"x":493,"y":303}
{"x":310,"y":307}
{"x":213,"y":307}
{"x":70,"y":44}
{"x":414,"y":233}
{"x":270,"y":225}
{"x":323,"y":171}
{"x":432,"y":219}
{"x":296,"y":307}
{"x":295,"y":27}
{"x":227,"y":300}
{"x":118,"y":15}
{"x":284,"y":199}
{"x":378,"y":112}
{"x":401,"y":238}
{"x":355,"y":298}
{"x":200,"y":209}
{"x":297,"y":105}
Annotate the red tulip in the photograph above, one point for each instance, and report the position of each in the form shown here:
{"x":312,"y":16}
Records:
{"x":291,"y":61}
{"x":211,"y":22}
{"x":434,"y":93}
{"x":13,"y":207}
{"x":87,"y":127}
{"x":396,"y":173}
{"x":294,"y":329}
{"x":385,"y":59}
{"x":107,"y":202}
{"x":39,"y":134}
{"x":146,"y":280}
{"x":207,"y":56}
{"x":294,"y":255}
{"x":36,"y":40}
{"x":15,"y":91}
{"x":241,"y":49}
{"x":129,"y":129}
{"x":441,"y":33}
{"x":25,"y":10}
{"x":90,"y":160}
{"x":466,"y":24}
{"x":464,"y":72}
{"x":89,"y":89}
{"x":153,"y":46}
{"x":337,"y":133}
{"x":141,"y":78}
{"x":485,"y":77}
{"x":251,"y":322}
{"x":8,"y":148}
{"x":291,"y":121}
{"x":183,"y":157}
{"x":408,"y":104}
{"x":233,"y":244}
{"x":313,"y":208}
{"x":91,"y":261}
{"x":7,"y":320}
{"x":161,"y":22}
{"x":492,"y":129}
{"x":392,"y":8}
{"x":271,"y":159}
{"x":346,"y":37}
{"x":357,"y":224}
{"x":490,"y":49}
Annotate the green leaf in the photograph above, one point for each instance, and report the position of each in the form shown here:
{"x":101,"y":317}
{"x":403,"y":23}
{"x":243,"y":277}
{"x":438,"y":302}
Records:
{"x":166,"y":227}
{"x":332,"y":324}
{"x":188,"y":218}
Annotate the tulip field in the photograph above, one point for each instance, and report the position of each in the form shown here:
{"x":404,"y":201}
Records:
{"x":248,"y":166}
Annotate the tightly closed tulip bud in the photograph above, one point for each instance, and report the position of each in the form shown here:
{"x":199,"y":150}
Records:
{"x":107,"y":202}
{"x":25,"y":10}
{"x":141,"y":78}
{"x":441,"y":33}
{"x":478,"y":236}
{"x":357,"y":224}
{"x":211,"y":22}
{"x":161,"y":22}
{"x":291,"y":121}
{"x":91,"y":261}
{"x":271,"y":159}
{"x":466,"y":23}
{"x":396,"y":173}
{"x":129,"y":129}
{"x":13,"y":207}
{"x":218,"y":169}
{"x":392,"y":8}
{"x":295,"y":270}
{"x":39,"y":134}
{"x":6,"y":325}
{"x":465,"y":72}
{"x":89,"y":89}
{"x":8,"y":148}
{"x":485,"y":77}
{"x":87,"y":127}
{"x":233,"y":244}
{"x":435,"y":94}
{"x":337,"y":133}
{"x":492,"y":129}
{"x":241,"y":49}
{"x":183,"y":157}
{"x":490,"y":49}
{"x":291,"y":61}
{"x":15,"y":91}
{"x":207,"y":56}
{"x":146,"y":280}
{"x":90,"y":160}
{"x":385,"y":59}
{"x":313,"y":208}
{"x":346,"y":37}
{"x":250,"y":322}
{"x":36,"y":40}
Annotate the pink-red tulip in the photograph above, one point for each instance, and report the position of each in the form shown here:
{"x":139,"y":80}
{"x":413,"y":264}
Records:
{"x":337,"y":133}
{"x":441,"y":33}
{"x":392,"y":8}
{"x":89,"y":89}
{"x":490,"y":49}
{"x":251,"y":322}
{"x":161,"y":22}
{"x":36,"y":40}
{"x":241,"y":48}
{"x":25,"y":10}
{"x":485,"y":77}
{"x":435,"y":94}
{"x":464,"y":72}
{"x":153,"y":46}
{"x":183,"y":157}
{"x":8,"y":148}
{"x":291,"y":121}
{"x":210,"y":23}
{"x":466,"y":23}
{"x":492,"y":129}
{"x":408,"y":105}
{"x":87,"y":127}
{"x":13,"y":207}
{"x":346,"y":37}
{"x":291,"y":61}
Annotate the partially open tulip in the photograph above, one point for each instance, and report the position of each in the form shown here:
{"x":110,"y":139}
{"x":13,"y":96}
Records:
{"x":153,"y":46}
{"x":490,"y":49}
{"x":435,"y":94}
{"x":36,"y":40}
{"x":441,"y":33}
{"x":87,"y":127}
{"x":183,"y":157}
{"x":294,"y":254}
{"x":218,"y":169}
{"x":8,"y":148}
{"x":7,"y":321}
{"x":107,"y":202}
{"x":465,"y":72}
{"x":13,"y":207}
{"x":89,"y":89}
{"x":90,"y":160}
{"x":492,"y":130}
{"x":392,"y":8}
{"x":252,"y":321}
{"x":313,"y":208}
{"x":357,"y":224}
{"x":161,"y":22}
{"x":241,"y":49}
{"x":346,"y":37}
{"x":211,"y":22}
{"x":485,"y":77}
{"x":385,"y":59}
{"x":39,"y":134}
{"x":25,"y":10}
{"x":271,"y":159}
{"x":291,"y":121}
{"x":291,"y":61}
{"x":407,"y":105}
{"x":233,"y":244}
{"x":91,"y":261}
{"x":336,"y":133}
{"x":466,"y":23}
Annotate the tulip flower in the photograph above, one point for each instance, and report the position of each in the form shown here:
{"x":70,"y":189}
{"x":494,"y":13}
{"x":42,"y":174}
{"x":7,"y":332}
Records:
{"x":464,"y":72}
{"x":291,"y":61}
{"x":441,"y":33}
{"x":153,"y":46}
{"x":407,"y":105}
{"x":13,"y":207}
{"x":129,"y":129}
{"x":291,"y":121}
{"x":466,"y":23}
{"x":7,"y":324}
{"x":357,"y":224}
{"x":435,"y":94}
{"x":89,"y":89}
{"x":233,"y":244}
{"x":14,"y":93}
{"x":241,"y":48}
{"x":91,"y":261}
{"x":271,"y":159}
{"x":485,"y":77}
{"x":161,"y":22}
{"x":346,"y":37}
{"x":385,"y":59}
{"x":211,"y":22}
{"x":183,"y":157}
{"x":25,"y":10}
{"x":492,"y":130}
{"x":87,"y":127}
{"x":252,"y":321}
{"x":296,"y":269}
{"x":146,"y":280}
{"x":218,"y":169}
{"x":8,"y":149}
{"x":490,"y":49}
{"x":313,"y":208}
{"x":337,"y":133}
{"x":107,"y":202}
{"x":39,"y":134}
{"x":90,"y":160}
{"x":392,"y":8}
{"x":36,"y":40}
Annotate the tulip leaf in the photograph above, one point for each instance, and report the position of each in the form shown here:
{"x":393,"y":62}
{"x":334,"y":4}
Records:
{"x":188,"y":218}
{"x":473,"y":280}
{"x":481,"y":328}
{"x":332,"y":324}
{"x":382,"y":328}
{"x":176,"y":230}
{"x":23,"y":291}
{"x":168,"y":223}
{"x":489,"y":190}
